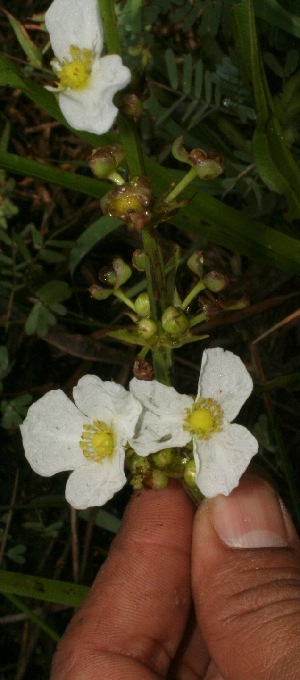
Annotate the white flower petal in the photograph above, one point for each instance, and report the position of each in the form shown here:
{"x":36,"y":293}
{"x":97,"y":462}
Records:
{"x":74,"y":22}
{"x":97,"y":398}
{"x":51,"y":433}
{"x":222,"y":459}
{"x":91,"y":108}
{"x":108,"y":402}
{"x":161,"y":424}
{"x":96,"y":483}
{"x":224,"y":377}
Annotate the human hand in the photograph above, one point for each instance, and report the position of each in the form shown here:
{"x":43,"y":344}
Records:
{"x":215,"y":596}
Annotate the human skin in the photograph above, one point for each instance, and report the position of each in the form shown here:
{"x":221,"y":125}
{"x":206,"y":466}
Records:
{"x":211,"y":595}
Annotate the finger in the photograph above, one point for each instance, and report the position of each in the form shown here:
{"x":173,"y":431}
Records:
{"x":133,"y":619}
{"x":192,"y":659}
{"x":246,"y":583}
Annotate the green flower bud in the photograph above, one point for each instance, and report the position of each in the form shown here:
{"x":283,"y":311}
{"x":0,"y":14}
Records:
{"x":105,"y":160}
{"x":142,"y":304}
{"x":215,"y":281}
{"x":195,"y":263}
{"x":139,"y":260}
{"x":146,"y":328}
{"x":163,"y":458}
{"x":158,"y":480}
{"x":174,"y":321}
{"x":122,"y":270}
{"x":117,"y":275}
{"x":190,"y":475}
{"x":108,"y":276}
{"x":208,"y":165}
{"x":138,"y":464}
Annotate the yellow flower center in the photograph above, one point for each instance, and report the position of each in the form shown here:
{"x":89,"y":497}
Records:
{"x":97,"y":441}
{"x":76,"y":72}
{"x":204,"y":418}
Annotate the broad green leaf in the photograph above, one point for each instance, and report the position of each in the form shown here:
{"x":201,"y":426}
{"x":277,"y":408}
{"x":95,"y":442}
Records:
{"x":54,"y":291}
{"x":90,"y":237}
{"x":32,"y":52}
{"x":44,"y":589}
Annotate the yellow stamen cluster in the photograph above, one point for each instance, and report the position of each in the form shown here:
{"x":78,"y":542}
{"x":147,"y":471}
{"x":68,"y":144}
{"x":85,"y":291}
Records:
{"x":97,"y":441}
{"x":76,"y":72}
{"x":204,"y":418}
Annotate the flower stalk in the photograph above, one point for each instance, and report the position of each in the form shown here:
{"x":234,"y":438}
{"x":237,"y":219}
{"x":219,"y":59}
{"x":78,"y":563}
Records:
{"x":155,"y":270}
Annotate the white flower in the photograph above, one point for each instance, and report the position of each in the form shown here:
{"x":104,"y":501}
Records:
{"x":87,"y":437}
{"x":222,"y":450}
{"x":86,"y":82}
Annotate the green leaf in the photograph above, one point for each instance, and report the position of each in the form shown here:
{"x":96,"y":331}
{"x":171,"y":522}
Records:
{"x":31,"y":50}
{"x":276,"y":15}
{"x":172,"y":69}
{"x":16,"y":554}
{"x":47,"y":173}
{"x":36,"y":237}
{"x":90,"y":237}
{"x":12,"y":76}
{"x":14,"y":411}
{"x":214,"y":220}
{"x":44,"y":589}
{"x":187,"y":73}
{"x":39,"y":320}
{"x":103,"y":519}
{"x":51,"y":256}
{"x":54,"y":291}
{"x":273,"y":159}
{"x":57,"y":308}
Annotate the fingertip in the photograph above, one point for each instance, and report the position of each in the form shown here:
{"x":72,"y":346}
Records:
{"x":245,"y":577}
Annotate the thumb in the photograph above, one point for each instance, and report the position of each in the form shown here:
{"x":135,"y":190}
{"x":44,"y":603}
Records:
{"x":246,"y":583}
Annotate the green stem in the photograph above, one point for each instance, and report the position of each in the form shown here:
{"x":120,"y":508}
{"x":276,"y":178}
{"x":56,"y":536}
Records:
{"x":197,"y":289}
{"x":110,"y":28}
{"x":118,"y":293}
{"x":198,"y":319}
{"x":155,"y":271}
{"x":186,"y":180}
{"x":116,"y":178}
